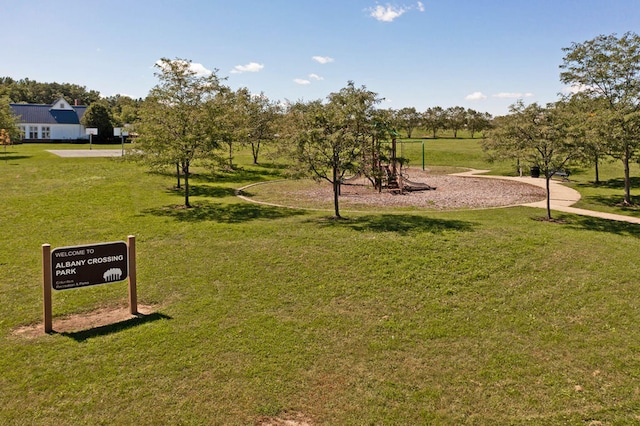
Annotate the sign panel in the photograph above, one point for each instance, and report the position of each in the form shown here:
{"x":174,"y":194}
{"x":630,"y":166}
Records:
{"x":91,"y":131}
{"x":81,"y":266}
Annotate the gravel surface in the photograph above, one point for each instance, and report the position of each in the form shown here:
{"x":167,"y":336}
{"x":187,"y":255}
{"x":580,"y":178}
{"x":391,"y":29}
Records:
{"x":452,"y":192}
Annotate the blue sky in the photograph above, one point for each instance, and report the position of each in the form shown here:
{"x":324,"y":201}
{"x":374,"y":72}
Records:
{"x":480,"y":54}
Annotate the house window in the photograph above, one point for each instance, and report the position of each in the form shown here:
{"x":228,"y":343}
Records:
{"x":33,"y":132}
{"x":46,"y":132}
{"x":23,"y":131}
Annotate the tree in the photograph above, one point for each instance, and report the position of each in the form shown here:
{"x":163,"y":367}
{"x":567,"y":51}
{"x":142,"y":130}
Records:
{"x":8,"y":121}
{"x":586,"y":127}
{"x":408,"y":119}
{"x":608,"y":68}
{"x":433,"y":120}
{"x":233,"y":119}
{"x":327,"y":140}
{"x":456,"y":119}
{"x":263,"y":118}
{"x":98,"y":115}
{"x":179,"y":120}
{"x":537,"y":134}
{"x":124,"y":110}
{"x":478,"y":121}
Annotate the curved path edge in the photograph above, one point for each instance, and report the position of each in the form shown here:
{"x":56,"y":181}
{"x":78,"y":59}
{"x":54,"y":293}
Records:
{"x":561,"y":197}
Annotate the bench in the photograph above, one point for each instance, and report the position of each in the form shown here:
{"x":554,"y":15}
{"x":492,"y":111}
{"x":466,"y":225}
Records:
{"x":563,"y":173}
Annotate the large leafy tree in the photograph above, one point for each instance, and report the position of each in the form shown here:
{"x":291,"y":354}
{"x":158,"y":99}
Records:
{"x":124,"y":109}
{"x":233,"y":119}
{"x":608,"y":68}
{"x":537,"y":134}
{"x":478,"y":121}
{"x":98,"y":115}
{"x":408,"y":119}
{"x":179,"y":120}
{"x":584,"y":115}
{"x":328,"y":139}
{"x":456,"y":119}
{"x":434,"y":119}
{"x":262,"y":125}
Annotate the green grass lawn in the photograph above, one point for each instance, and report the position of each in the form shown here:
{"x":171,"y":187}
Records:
{"x":488,"y":317}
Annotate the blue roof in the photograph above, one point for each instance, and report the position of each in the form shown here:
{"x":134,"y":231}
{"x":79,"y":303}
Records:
{"x":43,"y":114}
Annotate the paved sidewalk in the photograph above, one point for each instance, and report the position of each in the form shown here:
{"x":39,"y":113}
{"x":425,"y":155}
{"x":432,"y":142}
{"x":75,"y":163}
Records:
{"x":561,"y":199}
{"x":86,"y":152}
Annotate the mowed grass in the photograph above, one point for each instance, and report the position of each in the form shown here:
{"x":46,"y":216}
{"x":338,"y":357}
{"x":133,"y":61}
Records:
{"x":477,"y":317}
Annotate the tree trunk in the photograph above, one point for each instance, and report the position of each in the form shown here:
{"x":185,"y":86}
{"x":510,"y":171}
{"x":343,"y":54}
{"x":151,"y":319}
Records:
{"x":185,"y":168}
{"x":336,"y":192}
{"x":255,"y":149}
{"x":548,"y":177}
{"x":627,"y":178}
{"x":597,"y":169}
{"x":178,"y":174}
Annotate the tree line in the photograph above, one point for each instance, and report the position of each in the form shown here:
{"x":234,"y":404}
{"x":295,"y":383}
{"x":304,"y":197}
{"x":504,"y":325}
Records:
{"x":105,"y":113}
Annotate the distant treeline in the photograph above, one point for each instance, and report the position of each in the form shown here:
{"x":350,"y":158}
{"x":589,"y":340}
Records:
{"x":33,"y":92}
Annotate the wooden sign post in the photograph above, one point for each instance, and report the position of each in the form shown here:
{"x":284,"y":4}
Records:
{"x":133,"y":292}
{"x":46,"y":287}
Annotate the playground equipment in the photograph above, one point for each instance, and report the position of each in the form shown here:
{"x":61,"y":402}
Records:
{"x":394,"y":179}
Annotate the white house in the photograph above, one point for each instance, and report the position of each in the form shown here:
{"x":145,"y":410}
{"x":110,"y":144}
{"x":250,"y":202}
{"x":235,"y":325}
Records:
{"x":59,"y":121}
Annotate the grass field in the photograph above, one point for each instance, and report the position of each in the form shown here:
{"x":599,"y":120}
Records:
{"x":485,"y":317}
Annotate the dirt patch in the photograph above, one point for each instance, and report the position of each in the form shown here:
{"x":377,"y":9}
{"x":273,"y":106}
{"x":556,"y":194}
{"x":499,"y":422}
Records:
{"x":89,"y":320}
{"x":289,"y":419}
{"x":451,"y":193}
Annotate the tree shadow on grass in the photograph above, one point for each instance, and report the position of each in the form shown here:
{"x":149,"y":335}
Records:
{"x":617,"y":183}
{"x":210,"y":191}
{"x":588,"y":223}
{"x":81,"y":336}
{"x":9,"y":157}
{"x":227,"y":213}
{"x":241,"y":175}
{"x":402,"y":224}
{"x":616,"y":201}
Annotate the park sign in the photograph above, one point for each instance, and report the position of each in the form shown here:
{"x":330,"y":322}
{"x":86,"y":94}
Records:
{"x":82,"y":266}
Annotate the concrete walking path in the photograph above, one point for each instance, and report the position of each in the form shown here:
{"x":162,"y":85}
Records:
{"x":561,"y":197}
{"x":86,"y":152}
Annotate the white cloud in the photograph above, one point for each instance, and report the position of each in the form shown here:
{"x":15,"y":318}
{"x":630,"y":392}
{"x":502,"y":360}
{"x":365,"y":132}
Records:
{"x":476,"y":96}
{"x":390,"y":12}
{"x":511,"y":95}
{"x":250,"y":67}
{"x":315,"y":77}
{"x":301,"y":81}
{"x":322,"y":59}
{"x":198,"y":69}
{"x":576,"y":88}
{"x":386,"y":13}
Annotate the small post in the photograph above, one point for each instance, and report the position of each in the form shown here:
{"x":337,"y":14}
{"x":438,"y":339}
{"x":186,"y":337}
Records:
{"x":46,"y":288}
{"x":133,"y":293}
